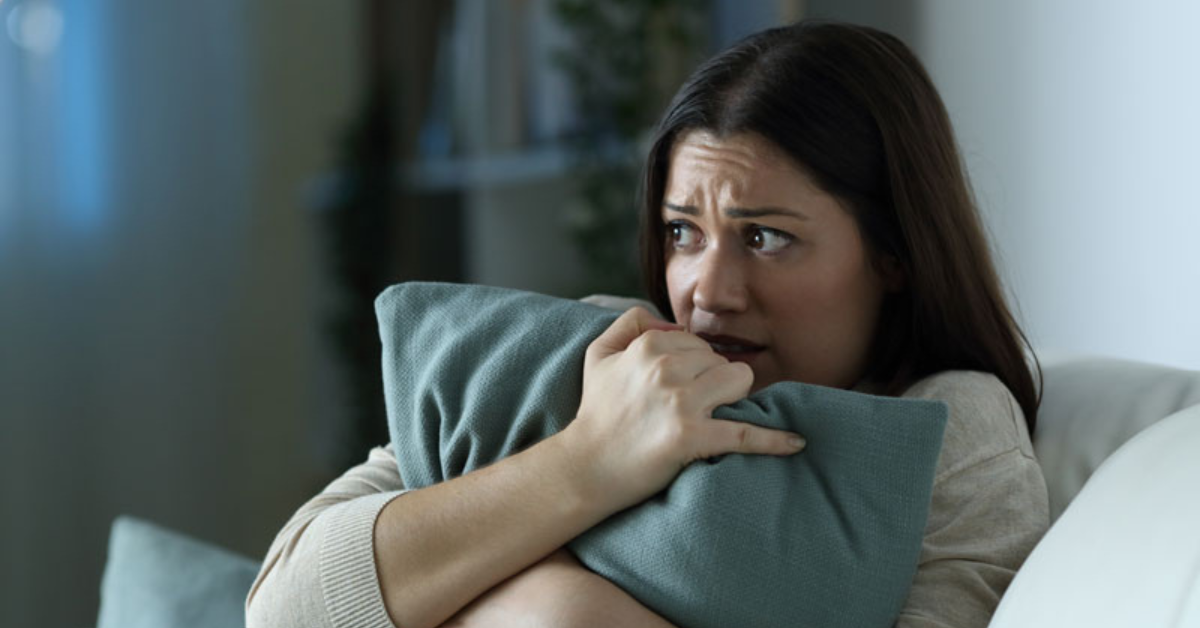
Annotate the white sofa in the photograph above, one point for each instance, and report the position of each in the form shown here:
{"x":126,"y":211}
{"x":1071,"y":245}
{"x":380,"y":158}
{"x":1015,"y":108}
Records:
{"x":1124,"y":549}
{"x":1119,"y":443}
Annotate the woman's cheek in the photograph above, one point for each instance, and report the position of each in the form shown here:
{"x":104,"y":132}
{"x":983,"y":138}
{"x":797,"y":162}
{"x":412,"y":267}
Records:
{"x":679,"y":287}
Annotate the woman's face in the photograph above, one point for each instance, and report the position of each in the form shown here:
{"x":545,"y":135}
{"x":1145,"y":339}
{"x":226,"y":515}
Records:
{"x":764,"y":265}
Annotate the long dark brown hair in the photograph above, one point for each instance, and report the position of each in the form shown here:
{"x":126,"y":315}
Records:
{"x":856,"y":108}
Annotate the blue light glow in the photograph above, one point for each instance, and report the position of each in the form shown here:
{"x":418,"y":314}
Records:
{"x":82,"y":106}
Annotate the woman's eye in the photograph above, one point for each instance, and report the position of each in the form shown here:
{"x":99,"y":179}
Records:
{"x":768,"y":240}
{"x":681,"y":235}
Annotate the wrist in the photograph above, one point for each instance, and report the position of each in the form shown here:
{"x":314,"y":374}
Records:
{"x":583,"y":488}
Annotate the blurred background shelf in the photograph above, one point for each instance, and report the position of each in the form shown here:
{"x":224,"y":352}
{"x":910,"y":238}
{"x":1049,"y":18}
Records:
{"x":519,"y":167}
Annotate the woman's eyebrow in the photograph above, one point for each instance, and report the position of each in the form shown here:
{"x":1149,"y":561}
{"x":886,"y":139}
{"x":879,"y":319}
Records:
{"x":690,"y":210}
{"x":740,"y":212}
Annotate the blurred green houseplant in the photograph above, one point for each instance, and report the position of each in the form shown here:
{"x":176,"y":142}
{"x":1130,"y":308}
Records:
{"x":626,"y":60}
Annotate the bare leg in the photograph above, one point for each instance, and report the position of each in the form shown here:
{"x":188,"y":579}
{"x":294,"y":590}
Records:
{"x":558,"y":592}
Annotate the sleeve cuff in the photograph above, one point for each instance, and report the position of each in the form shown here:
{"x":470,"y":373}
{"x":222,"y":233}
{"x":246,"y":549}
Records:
{"x":349,"y":580}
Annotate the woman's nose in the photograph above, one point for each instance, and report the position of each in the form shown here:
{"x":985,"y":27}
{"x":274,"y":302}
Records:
{"x":720,"y":284}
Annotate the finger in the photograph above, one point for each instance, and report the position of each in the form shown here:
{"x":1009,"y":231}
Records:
{"x":684,"y":367}
{"x":727,"y":437}
{"x":723,"y":383}
{"x":657,"y":342}
{"x":628,"y":326}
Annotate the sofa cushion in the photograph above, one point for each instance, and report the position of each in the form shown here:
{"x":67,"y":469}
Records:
{"x":1126,"y":552}
{"x":1091,"y":406}
{"x":155,"y":577}
{"x":829,"y":537}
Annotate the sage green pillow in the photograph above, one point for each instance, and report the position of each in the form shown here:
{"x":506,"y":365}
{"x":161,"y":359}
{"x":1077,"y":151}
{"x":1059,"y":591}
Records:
{"x":827,"y":538}
{"x":156,"y":577}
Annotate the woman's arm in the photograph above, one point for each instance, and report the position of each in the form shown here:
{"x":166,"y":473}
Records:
{"x":558,"y":592}
{"x":989,"y":506}
{"x":984,"y":522}
{"x":645,"y":415}
{"x":329,"y":534}
{"x":439,"y":548}
{"x":321,"y":570}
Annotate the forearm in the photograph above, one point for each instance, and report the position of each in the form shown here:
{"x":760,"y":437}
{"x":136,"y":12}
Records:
{"x":557,"y":592}
{"x":439,"y":548}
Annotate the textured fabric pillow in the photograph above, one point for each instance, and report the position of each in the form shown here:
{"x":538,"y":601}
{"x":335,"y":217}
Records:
{"x":155,"y":577}
{"x":829,"y":537}
{"x":1091,"y":406}
{"x":1126,"y":551}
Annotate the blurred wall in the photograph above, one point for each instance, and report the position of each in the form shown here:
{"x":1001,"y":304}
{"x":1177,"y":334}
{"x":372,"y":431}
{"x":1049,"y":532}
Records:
{"x":160,"y":349}
{"x":1078,"y":123}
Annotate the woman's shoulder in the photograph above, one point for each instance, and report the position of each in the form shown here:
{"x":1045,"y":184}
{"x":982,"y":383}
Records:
{"x":985,"y":422}
{"x":976,"y":386}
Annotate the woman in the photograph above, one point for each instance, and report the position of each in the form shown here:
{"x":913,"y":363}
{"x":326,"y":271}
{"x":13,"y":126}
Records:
{"x":805,"y":217}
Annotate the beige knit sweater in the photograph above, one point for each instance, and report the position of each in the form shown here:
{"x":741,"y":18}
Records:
{"x":989,"y":508}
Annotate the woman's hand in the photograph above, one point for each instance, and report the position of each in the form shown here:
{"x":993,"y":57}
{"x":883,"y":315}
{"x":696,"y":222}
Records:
{"x":649,"y":389}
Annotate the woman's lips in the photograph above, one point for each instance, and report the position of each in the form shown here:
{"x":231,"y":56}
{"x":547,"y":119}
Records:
{"x":731,"y":347}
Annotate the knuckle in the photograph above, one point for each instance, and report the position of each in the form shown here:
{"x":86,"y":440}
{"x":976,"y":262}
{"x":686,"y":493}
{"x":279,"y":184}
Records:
{"x":742,"y":436}
{"x":699,"y":343}
{"x":630,"y":314}
{"x":677,"y":400}
{"x":652,"y":340}
{"x":660,"y":369}
{"x":640,"y":345}
{"x":741,"y":374}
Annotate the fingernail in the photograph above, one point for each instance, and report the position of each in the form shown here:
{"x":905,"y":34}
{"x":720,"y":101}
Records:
{"x":796,"y":442}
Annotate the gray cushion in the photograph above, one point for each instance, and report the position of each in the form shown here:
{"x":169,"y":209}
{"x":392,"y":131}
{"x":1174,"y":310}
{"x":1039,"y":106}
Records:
{"x":829,"y":537}
{"x":156,"y":578}
{"x":1091,"y":406}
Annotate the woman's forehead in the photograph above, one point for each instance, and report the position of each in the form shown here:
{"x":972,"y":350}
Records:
{"x":739,"y":165}
{"x":738,"y":149}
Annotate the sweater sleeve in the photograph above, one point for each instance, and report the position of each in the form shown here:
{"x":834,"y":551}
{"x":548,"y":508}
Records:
{"x":320,"y":570}
{"x":989,"y":505}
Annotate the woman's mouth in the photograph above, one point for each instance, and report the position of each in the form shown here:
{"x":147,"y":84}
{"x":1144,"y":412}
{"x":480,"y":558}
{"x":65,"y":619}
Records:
{"x":731,"y":347}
